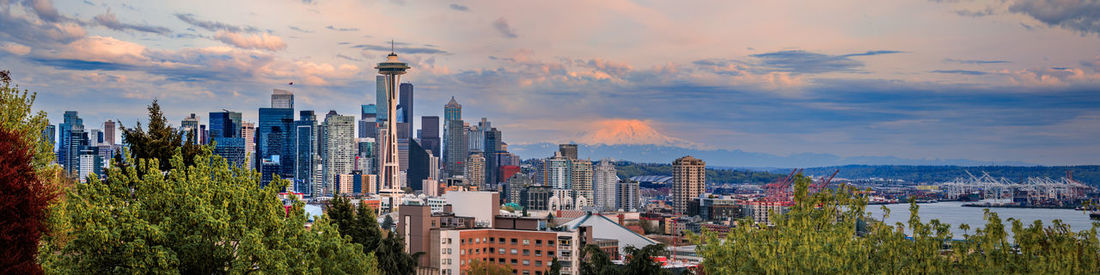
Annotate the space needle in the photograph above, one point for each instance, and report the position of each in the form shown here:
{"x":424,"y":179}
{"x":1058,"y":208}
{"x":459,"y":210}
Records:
{"x":392,"y":69}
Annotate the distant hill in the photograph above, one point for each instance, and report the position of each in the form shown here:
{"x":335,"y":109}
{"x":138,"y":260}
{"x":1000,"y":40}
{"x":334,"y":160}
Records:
{"x":627,"y":169}
{"x":1087,"y":174}
{"x":732,"y":158}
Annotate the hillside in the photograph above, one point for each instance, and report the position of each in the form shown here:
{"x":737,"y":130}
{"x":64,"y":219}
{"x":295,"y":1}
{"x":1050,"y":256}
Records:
{"x":1088,"y":174}
{"x":628,"y":169}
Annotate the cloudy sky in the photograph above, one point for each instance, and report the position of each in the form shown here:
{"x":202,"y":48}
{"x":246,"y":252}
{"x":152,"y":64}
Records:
{"x":1000,"y":80}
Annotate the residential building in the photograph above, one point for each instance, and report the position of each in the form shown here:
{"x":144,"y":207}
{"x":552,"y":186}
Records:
{"x":557,"y":171}
{"x":356,"y":184}
{"x":580,"y":177}
{"x":628,"y":196}
{"x":108,"y":132}
{"x":340,"y":148}
{"x":248,"y":133}
{"x":569,"y":151}
{"x":475,"y":169}
{"x":605,"y":181}
{"x":688,"y":181}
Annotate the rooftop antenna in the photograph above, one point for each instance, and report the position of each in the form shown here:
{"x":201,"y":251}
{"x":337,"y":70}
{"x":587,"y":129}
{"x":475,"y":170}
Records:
{"x":391,"y":46}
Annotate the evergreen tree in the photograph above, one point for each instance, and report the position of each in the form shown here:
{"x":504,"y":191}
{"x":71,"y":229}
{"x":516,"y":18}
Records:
{"x":160,"y":141}
{"x":640,"y":260}
{"x":387,"y":223}
{"x":596,"y":261}
{"x":366,"y":229}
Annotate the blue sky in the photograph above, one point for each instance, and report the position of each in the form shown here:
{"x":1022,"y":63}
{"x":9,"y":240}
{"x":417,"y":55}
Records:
{"x":1009,"y":80}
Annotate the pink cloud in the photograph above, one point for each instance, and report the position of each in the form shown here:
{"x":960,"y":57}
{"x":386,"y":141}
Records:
{"x":251,"y":41}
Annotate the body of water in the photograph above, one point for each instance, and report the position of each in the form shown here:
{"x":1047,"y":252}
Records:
{"x":955,"y":214}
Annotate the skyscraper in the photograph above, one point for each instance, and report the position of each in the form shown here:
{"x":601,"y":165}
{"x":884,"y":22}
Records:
{"x":429,"y":134}
{"x":557,"y":170}
{"x":452,"y":111}
{"x":248,"y":133}
{"x":189,"y":127}
{"x":492,"y":147}
{"x":627,"y":196}
{"x":364,"y":159}
{"x":282,"y":99}
{"x":368,"y":121}
{"x":604,"y":183}
{"x":456,"y":152}
{"x":475,"y":168}
{"x":225,"y":124}
{"x":580,"y":176}
{"x":407,"y":106}
{"x":568,"y":150}
{"x":225,"y":132}
{"x":340,"y":148}
{"x":109,"y":132}
{"x":380,"y":100}
{"x":49,"y":134}
{"x":305,"y":130}
{"x":420,"y":167}
{"x":68,"y":153}
{"x":392,"y":69}
{"x":688,"y":181}
{"x":273,"y":144}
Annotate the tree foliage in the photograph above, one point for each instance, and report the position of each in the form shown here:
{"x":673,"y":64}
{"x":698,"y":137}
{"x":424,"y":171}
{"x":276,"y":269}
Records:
{"x":830,"y":232}
{"x":361,"y":225}
{"x":196,"y":219}
{"x":26,"y":178}
{"x":640,"y":260}
{"x":596,"y":261}
{"x":160,"y":141}
{"x":487,"y":268}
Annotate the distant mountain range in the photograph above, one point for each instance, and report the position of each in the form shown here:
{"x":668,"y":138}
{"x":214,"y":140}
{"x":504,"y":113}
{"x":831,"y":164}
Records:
{"x":736,"y":158}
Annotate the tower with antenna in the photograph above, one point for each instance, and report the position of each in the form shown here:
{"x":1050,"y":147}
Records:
{"x":392,"y":69}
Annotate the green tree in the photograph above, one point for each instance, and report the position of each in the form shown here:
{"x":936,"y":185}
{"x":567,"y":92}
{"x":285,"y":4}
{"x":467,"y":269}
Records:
{"x":160,"y":141}
{"x":829,"y":232}
{"x":555,"y":267}
{"x":392,"y":257}
{"x":387,"y":223}
{"x":640,"y":260}
{"x":596,"y":261}
{"x":366,"y":230}
{"x":28,"y":179}
{"x":197,"y":219}
{"x":487,"y":268}
{"x":361,"y":225}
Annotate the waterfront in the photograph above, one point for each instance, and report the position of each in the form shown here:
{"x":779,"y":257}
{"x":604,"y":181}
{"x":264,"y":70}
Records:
{"x":955,"y":214}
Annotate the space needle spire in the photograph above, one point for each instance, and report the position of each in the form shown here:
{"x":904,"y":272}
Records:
{"x":392,"y":69}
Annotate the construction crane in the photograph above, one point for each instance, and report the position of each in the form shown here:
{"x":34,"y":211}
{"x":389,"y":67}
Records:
{"x":779,"y":192}
{"x":822,"y":183}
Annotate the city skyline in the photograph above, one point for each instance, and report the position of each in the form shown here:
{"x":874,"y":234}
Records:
{"x":849,"y":78}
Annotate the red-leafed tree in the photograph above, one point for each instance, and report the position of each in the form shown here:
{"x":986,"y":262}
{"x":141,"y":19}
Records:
{"x":22,"y":207}
{"x":26,"y":191}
